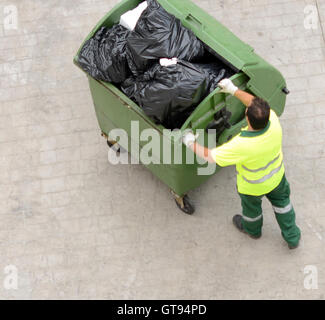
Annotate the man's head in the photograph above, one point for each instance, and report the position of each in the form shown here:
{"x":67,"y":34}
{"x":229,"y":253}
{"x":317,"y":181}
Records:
{"x":258,"y":113}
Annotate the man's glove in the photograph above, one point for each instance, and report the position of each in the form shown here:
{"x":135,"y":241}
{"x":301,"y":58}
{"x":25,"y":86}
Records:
{"x":189,"y":138}
{"x":227,"y":86}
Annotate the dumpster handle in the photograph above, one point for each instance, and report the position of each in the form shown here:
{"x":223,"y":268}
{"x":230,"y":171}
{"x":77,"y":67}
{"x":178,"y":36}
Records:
{"x":193,"y":20}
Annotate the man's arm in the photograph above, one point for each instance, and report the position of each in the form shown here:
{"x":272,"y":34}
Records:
{"x":244,"y":97}
{"x":227,"y":86}
{"x":225,"y":155}
{"x":189,"y":139}
{"x":202,"y":152}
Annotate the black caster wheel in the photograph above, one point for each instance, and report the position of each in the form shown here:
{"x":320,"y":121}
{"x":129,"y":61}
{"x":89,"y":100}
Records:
{"x":114,"y":145}
{"x":185,"y":205}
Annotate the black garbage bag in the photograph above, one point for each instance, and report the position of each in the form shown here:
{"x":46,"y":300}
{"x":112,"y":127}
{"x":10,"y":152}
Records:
{"x":216,"y":72}
{"x":104,"y":55}
{"x":159,"y":34}
{"x":170,"y":94}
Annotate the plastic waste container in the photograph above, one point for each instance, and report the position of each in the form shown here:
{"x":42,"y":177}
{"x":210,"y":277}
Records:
{"x":226,"y":113}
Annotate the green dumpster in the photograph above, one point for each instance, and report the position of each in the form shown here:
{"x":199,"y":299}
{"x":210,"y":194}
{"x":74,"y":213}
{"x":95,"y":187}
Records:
{"x":250,"y":72}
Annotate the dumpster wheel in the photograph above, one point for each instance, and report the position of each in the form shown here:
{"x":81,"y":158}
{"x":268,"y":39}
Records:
{"x":184,"y":204}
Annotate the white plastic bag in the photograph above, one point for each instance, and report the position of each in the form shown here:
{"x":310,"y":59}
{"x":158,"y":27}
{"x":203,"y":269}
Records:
{"x":130,"y":18}
{"x":165,"y":62}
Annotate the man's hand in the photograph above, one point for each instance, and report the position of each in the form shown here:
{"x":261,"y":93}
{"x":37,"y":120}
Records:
{"x":189,"y":138}
{"x":227,"y":86}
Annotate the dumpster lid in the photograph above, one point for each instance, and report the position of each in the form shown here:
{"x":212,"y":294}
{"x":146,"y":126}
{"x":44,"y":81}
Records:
{"x":229,"y":48}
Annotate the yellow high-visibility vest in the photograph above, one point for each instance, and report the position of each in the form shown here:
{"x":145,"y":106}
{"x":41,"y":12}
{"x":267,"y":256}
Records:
{"x":258,"y":158}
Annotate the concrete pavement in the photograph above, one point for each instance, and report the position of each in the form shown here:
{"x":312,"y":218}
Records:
{"x":72,"y":226}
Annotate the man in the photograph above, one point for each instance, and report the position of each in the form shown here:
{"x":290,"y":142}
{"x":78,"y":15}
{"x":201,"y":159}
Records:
{"x":257,"y":154}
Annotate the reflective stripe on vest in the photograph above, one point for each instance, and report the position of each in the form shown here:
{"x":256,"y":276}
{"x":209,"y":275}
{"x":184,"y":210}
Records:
{"x":286,"y":209}
{"x":263,"y":168}
{"x":252,"y":219}
{"x":266,"y":177}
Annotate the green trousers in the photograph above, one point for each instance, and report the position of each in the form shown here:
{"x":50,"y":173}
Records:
{"x":283,"y":209}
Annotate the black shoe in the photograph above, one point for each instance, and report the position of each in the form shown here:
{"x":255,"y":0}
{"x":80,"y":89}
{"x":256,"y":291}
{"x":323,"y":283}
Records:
{"x":237,"y":220}
{"x":293,"y":247}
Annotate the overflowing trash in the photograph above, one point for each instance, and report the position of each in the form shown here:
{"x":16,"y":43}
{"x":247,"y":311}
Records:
{"x":155,"y":61}
{"x":159,"y":34}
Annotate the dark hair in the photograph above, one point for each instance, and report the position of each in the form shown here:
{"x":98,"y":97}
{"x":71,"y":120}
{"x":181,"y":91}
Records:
{"x":258,"y":113}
